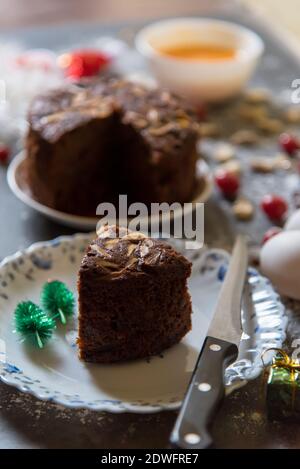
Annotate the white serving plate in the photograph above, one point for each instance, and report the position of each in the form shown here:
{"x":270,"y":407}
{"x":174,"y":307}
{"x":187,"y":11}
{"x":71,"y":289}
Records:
{"x":56,"y":374}
{"x":18,"y":186}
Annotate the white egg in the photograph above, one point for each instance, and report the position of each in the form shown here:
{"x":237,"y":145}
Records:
{"x":293,"y":222}
{"x":280,"y":262}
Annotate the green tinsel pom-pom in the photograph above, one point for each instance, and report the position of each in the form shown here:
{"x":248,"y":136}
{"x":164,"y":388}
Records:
{"x":33,"y":324}
{"x":57,"y":300}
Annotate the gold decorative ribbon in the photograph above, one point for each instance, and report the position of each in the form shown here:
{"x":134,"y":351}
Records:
{"x":288,"y":363}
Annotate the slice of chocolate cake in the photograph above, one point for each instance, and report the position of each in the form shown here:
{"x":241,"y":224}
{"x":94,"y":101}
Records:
{"x":133,"y":297}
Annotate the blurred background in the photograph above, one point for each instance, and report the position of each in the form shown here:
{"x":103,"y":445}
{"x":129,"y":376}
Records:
{"x":25,"y":422}
{"x":18,"y":13}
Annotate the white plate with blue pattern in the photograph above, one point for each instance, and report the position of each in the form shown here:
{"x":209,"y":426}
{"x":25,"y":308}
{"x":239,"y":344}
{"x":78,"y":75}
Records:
{"x":56,"y":374}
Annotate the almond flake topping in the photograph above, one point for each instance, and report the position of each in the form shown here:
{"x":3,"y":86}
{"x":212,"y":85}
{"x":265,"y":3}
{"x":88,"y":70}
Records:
{"x":164,"y":129}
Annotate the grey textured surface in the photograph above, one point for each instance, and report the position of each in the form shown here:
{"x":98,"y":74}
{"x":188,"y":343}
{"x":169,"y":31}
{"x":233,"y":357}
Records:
{"x":28,"y":423}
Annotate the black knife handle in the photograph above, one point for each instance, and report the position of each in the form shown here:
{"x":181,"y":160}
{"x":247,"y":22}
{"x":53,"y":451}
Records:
{"x":204,"y":395}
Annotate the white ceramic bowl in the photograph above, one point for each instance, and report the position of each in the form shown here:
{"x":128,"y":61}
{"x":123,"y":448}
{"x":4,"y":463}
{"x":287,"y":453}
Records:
{"x":200,"y":80}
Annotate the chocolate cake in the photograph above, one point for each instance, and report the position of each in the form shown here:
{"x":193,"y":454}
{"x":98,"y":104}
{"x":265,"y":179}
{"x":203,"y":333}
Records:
{"x":133,"y":297}
{"x":87,"y":145}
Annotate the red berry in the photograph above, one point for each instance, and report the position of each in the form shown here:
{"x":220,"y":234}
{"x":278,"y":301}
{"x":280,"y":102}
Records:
{"x":227,"y":182}
{"x":274,"y":206}
{"x":4,"y":153}
{"x":289,"y":143}
{"x":270,"y":233}
{"x":83,"y":63}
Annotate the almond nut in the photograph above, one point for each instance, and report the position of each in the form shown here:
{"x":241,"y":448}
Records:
{"x":262,"y":165}
{"x":243,"y":209}
{"x":223,"y":153}
{"x":244,"y":137}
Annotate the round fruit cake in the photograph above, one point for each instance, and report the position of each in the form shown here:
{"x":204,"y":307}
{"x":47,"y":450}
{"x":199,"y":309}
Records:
{"x":87,"y":145}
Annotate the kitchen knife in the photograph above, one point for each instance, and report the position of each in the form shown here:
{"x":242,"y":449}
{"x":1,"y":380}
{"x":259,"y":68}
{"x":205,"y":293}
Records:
{"x":206,"y":389}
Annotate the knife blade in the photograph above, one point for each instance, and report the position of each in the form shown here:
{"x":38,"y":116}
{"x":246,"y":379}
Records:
{"x":206,"y":389}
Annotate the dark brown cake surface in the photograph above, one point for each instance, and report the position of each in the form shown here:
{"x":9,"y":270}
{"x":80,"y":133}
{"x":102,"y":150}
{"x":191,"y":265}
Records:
{"x":133,"y":297}
{"x":88,"y":145}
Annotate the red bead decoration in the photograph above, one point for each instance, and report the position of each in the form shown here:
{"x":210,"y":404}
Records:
{"x":289,"y":143}
{"x":228,"y":183}
{"x":4,"y":153}
{"x":274,"y":206}
{"x":83,"y":63}
{"x":270,"y":233}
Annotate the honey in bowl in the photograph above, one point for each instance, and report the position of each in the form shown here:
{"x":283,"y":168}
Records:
{"x":199,"y":52}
